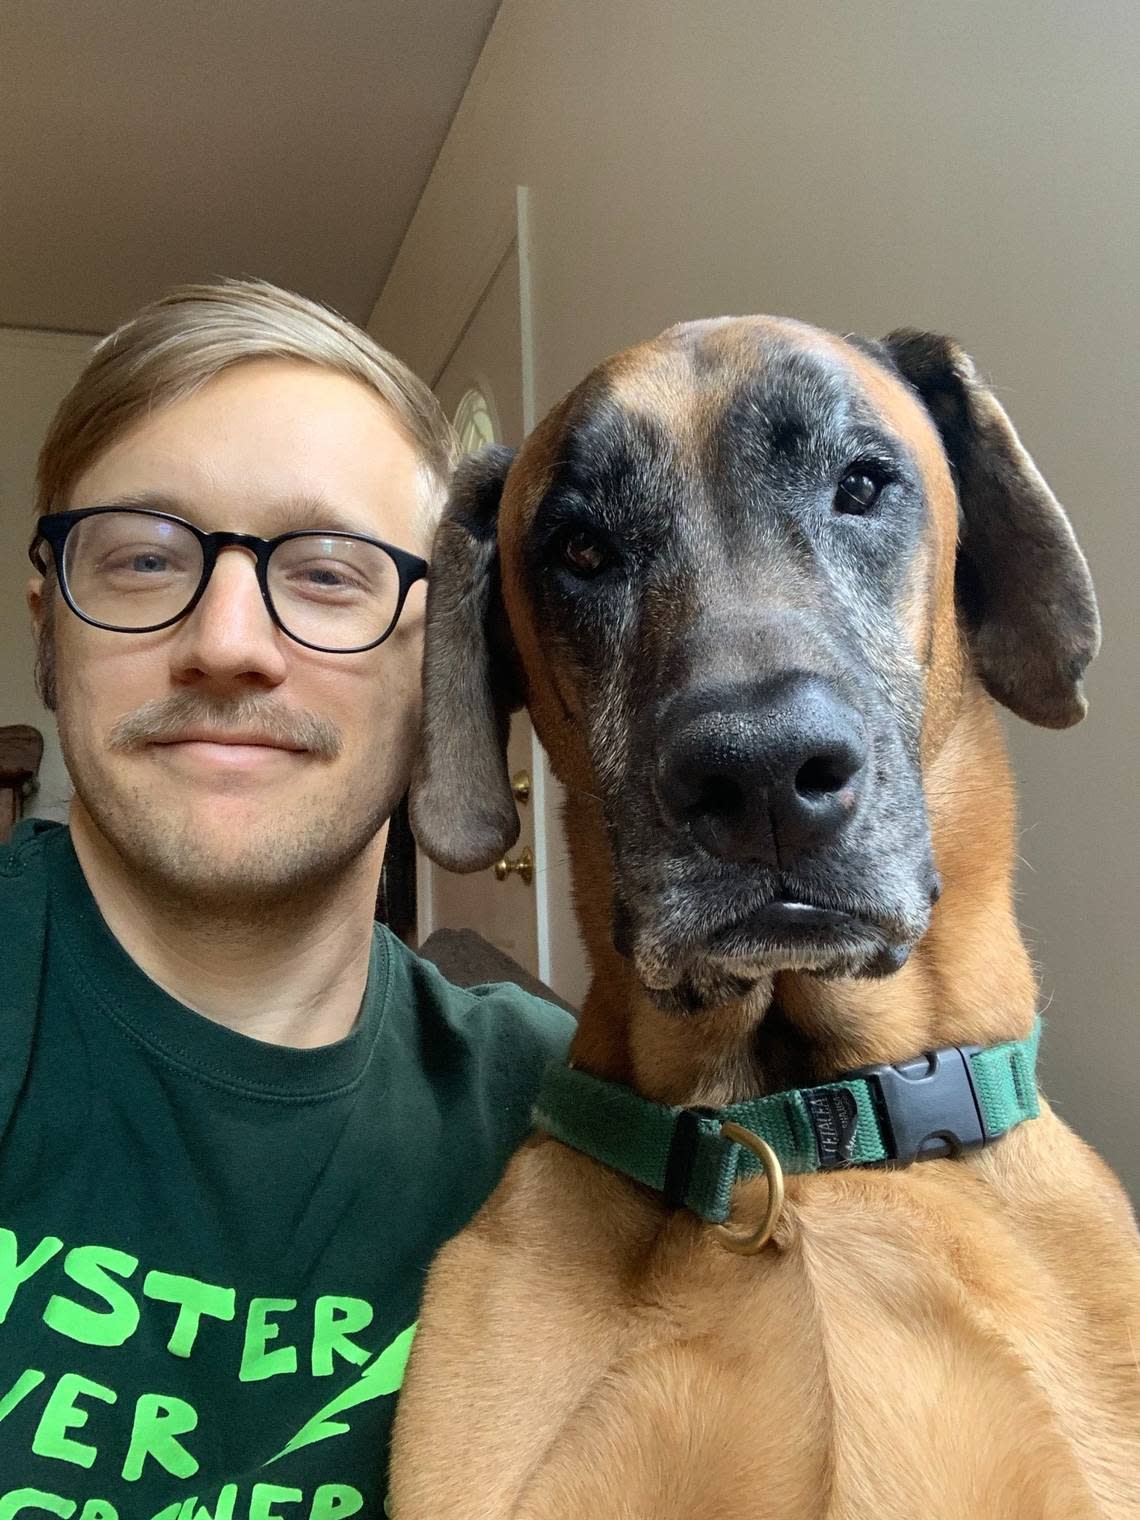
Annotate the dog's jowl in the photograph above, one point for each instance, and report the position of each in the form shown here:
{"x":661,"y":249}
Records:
{"x":760,"y":589}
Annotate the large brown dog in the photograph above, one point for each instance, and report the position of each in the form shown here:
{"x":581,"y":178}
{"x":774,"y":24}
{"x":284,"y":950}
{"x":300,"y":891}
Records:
{"x":757,"y":585}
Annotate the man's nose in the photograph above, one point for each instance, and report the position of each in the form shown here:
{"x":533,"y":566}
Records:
{"x":763,"y":774}
{"x":230,"y":637}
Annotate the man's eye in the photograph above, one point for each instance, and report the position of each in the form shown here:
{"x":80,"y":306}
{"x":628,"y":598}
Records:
{"x":583,"y":552}
{"x":858,"y":492}
{"x":139,"y":562}
{"x":323,"y":576}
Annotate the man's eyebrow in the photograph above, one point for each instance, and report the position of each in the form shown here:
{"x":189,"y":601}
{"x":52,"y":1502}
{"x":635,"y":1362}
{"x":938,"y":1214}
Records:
{"x":294,"y":514}
{"x":298,"y":514}
{"x":158,"y":501}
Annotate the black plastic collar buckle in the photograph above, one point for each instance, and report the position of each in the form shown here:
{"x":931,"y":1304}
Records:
{"x":929,"y":1107}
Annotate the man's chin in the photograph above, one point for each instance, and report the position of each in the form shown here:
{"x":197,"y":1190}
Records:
{"x":244,"y":852}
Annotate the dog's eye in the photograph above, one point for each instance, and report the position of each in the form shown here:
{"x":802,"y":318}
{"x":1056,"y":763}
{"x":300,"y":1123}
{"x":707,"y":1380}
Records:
{"x":583,"y":552}
{"x":857,"y":492}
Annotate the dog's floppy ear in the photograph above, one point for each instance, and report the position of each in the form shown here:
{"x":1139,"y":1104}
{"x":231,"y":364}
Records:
{"x":462,"y":810}
{"x":1023,"y":583}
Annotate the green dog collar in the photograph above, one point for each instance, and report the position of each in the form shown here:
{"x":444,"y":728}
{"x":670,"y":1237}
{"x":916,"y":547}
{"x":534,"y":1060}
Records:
{"x":939,"y":1104}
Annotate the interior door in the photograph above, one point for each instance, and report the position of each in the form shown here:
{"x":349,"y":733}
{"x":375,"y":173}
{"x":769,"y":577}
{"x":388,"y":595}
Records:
{"x":481,"y":386}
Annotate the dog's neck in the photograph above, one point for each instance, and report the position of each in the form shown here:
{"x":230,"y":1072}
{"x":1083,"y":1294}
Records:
{"x":969,"y":979}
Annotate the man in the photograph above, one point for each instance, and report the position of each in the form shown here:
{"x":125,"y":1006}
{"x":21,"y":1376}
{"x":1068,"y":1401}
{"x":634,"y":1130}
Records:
{"x":236,"y":1118}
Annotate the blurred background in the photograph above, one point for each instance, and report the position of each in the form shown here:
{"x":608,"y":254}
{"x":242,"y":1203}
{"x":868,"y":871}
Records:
{"x":504,"y":194}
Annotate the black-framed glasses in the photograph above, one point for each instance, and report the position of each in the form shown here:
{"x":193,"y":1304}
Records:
{"x":134,"y":570}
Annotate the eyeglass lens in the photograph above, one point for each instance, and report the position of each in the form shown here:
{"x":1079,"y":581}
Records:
{"x":129,"y":571}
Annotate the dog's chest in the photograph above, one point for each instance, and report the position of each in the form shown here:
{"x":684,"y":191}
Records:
{"x":846,"y":1375}
{"x":888,"y":1358}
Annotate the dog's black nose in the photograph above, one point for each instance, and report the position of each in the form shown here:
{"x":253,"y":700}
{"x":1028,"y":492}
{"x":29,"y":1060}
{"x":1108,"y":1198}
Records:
{"x":763,"y":774}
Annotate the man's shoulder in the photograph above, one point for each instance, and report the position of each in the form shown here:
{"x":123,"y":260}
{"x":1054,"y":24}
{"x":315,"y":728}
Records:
{"x":26,"y":870}
{"x":27,"y":863}
{"x":472,"y":1060}
{"x":499,"y":1022}
{"x":29,"y":847}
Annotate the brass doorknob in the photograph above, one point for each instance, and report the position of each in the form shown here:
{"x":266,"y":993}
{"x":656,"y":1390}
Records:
{"x":522,"y":866}
{"x":520,"y":786}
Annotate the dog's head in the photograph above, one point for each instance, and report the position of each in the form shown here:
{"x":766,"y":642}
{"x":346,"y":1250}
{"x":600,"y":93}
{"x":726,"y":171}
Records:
{"x":742,"y":577}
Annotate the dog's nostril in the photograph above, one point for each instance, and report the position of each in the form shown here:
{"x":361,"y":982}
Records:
{"x":712,"y":795}
{"x":719,"y":797}
{"x":762,"y":774}
{"x":822,"y":776}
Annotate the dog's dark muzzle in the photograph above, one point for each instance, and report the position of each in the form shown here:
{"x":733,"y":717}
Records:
{"x":762,"y":773}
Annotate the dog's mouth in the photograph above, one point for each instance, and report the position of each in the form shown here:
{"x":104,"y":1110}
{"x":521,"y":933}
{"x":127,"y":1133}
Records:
{"x":700,"y":930}
{"x":789,"y":917}
{"x":784,"y":933}
{"x":790,"y":933}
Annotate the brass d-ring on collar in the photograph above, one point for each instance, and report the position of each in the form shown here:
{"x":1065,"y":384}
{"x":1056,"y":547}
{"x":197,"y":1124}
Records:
{"x":748,"y":1245}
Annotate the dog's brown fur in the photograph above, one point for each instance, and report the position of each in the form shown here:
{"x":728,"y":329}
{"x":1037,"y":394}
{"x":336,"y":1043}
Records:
{"x":954,"y":1339}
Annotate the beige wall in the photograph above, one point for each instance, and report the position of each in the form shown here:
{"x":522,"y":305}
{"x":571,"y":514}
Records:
{"x":36,"y":368}
{"x":969,"y":168}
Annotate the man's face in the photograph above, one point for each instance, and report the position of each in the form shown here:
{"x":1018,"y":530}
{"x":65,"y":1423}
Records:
{"x":266,"y":447}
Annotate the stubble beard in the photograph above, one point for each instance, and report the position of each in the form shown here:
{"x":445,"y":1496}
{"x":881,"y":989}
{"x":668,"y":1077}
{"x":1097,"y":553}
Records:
{"x":286,"y":865}
{"x":282,"y":866}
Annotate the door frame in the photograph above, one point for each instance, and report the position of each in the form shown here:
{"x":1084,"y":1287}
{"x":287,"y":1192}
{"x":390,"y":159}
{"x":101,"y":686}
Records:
{"x":513,"y":231}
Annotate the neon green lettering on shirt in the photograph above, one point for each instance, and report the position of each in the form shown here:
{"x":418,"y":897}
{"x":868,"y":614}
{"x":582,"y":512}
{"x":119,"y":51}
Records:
{"x":158,"y":1422}
{"x":224,"y":1510}
{"x":99,"y":1509}
{"x":256,"y":1362}
{"x":20,"y":1390}
{"x":193,"y":1299}
{"x":61,"y":1414}
{"x":14,"y":1272}
{"x":381,"y":1377}
{"x":334,"y":1320}
{"x":90,"y":1267}
{"x":23,"y":1501}
{"x":265,"y":1494}
{"x":190,"y":1509}
{"x":333,"y":1500}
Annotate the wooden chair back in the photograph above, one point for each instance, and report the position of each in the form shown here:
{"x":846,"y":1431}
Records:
{"x":21,"y":750}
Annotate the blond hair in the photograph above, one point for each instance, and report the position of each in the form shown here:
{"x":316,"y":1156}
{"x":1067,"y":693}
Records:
{"x":179,"y":342}
{"x":184,"y":339}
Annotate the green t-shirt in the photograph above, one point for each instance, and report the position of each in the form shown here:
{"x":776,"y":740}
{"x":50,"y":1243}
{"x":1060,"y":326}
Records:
{"x":212,"y":1249}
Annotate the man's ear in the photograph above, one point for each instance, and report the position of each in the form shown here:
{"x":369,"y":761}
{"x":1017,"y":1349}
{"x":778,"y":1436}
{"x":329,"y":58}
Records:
{"x":34,"y":597}
{"x":462,"y":809}
{"x":1023,"y":584}
{"x":41,"y":599}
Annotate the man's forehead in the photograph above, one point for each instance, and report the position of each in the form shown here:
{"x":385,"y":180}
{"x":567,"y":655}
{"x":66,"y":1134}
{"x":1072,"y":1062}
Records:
{"x":280,"y":444}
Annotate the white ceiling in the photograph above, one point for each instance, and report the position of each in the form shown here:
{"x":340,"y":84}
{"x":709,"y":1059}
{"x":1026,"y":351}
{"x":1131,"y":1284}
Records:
{"x":147,"y":142}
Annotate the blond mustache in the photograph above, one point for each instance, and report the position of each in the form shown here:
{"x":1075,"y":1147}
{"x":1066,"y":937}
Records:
{"x":166,"y":718}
